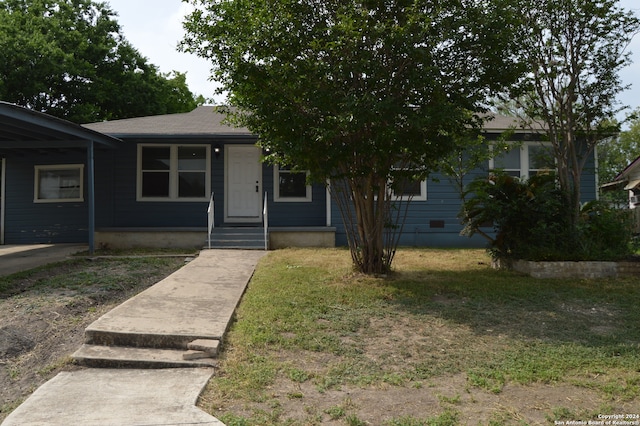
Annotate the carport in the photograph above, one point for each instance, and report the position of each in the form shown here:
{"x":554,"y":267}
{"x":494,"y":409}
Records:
{"x":23,"y":130}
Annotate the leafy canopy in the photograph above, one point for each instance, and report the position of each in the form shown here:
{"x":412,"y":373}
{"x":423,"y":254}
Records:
{"x":357,"y":90}
{"x":349,"y":87}
{"x":574,"y":50}
{"x":69,"y":58}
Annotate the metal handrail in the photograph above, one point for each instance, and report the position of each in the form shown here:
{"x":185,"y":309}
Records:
{"x":210,"y":218}
{"x":265,"y":220}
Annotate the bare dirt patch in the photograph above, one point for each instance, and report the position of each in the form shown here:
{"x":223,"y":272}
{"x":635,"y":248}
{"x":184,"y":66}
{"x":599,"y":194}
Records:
{"x":516,"y":404}
{"x":396,"y":344}
{"x":43,"y":316}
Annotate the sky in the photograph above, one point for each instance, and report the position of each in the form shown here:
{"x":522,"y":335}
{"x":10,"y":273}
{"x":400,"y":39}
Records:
{"x":155,"y":29}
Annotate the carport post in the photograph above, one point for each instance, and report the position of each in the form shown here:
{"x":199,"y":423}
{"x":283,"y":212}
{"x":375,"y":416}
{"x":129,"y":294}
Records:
{"x":91,"y":196}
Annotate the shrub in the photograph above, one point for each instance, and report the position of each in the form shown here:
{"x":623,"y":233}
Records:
{"x":530,"y":221}
{"x":605,"y":233}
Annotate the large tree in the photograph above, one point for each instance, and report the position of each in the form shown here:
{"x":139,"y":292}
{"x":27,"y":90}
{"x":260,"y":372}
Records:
{"x":69,"y":58}
{"x":574,"y":50}
{"x":365,"y":93}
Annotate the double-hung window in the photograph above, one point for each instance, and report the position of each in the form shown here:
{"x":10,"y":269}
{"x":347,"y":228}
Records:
{"x":526,"y":160}
{"x":174,"y":172}
{"x":406,"y":187}
{"x":291,"y":185}
{"x":59,"y":183}
{"x":540,"y":159}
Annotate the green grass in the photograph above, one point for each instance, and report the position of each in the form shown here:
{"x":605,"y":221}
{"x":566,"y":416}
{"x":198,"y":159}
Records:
{"x":308,"y":318}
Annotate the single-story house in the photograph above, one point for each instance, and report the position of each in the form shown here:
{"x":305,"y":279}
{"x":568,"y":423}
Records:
{"x":167,"y":181}
{"x":629,"y":181}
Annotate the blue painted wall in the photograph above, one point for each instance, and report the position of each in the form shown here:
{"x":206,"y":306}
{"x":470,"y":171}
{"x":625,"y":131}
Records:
{"x":422,"y":227}
{"x":118,"y":206}
{"x":27,"y":222}
{"x":433,"y":222}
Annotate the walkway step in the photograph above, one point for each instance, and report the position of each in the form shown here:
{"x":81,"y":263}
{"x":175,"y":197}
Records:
{"x":205,"y":345}
{"x":121,"y":357}
{"x":191,"y":355}
{"x":248,"y":238}
{"x":94,"y":335}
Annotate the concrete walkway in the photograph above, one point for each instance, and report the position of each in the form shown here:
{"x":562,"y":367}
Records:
{"x":196,"y":302}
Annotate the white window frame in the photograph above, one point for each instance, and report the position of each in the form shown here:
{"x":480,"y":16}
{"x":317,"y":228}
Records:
{"x":276,"y":188}
{"x":173,"y":171}
{"x":524,"y":159}
{"x":421,"y":197}
{"x":36,"y":185}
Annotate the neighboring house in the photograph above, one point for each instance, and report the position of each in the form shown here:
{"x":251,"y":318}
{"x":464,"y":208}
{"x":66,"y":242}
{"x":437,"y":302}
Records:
{"x":629,"y":180}
{"x":153,"y":180}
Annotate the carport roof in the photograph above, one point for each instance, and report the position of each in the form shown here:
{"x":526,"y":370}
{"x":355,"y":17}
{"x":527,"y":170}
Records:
{"x":22,"y":128}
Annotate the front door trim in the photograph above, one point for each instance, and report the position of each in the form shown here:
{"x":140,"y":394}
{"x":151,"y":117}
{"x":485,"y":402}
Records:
{"x":252,"y":172}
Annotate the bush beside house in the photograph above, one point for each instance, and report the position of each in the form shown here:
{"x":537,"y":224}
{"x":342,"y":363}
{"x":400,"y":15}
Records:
{"x":529,"y":224}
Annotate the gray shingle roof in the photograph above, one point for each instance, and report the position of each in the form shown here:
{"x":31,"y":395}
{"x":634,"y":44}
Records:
{"x":503,"y":122}
{"x":204,"y":120}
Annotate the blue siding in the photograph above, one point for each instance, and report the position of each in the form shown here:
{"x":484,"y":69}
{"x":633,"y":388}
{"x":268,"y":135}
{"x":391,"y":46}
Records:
{"x":123,"y":210}
{"x":27,"y":222}
{"x":430,"y":223}
{"x":433,"y":222}
{"x":588,"y":187}
{"x":443,"y":206}
{"x":119,"y":207}
{"x":282,"y":214}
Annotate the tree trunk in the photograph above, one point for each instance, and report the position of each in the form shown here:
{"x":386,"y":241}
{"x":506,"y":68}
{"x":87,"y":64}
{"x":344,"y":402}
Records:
{"x":370,"y":214}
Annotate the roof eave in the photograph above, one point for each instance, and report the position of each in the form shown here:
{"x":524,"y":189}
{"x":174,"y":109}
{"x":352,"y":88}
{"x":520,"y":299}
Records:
{"x":47,"y":122}
{"x":627,"y":170}
{"x":123,"y":136}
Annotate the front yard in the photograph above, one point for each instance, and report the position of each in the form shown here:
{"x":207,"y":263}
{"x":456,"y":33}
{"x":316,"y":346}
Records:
{"x":444,"y":340}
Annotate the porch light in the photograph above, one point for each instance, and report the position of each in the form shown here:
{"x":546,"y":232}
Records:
{"x":217,"y":150}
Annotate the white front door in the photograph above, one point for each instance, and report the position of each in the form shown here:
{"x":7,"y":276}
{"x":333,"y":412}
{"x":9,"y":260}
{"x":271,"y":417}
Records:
{"x":244,"y":183}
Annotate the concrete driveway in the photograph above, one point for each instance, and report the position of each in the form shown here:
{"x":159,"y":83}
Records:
{"x":16,"y":258}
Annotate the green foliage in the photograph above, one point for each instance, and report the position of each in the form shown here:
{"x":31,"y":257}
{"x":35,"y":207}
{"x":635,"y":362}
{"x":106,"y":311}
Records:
{"x":616,"y":154}
{"x":574,"y":50}
{"x":357,"y":89}
{"x":605,"y":233}
{"x":69,"y":59}
{"x":530,"y":221}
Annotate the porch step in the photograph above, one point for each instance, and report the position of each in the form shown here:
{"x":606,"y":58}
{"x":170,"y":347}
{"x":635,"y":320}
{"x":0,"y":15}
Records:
{"x":98,"y":356}
{"x":237,"y":237}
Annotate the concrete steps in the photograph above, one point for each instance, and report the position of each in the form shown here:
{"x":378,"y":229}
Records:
{"x":195,"y":354}
{"x":97,"y":356}
{"x":96,"y":336}
{"x":179,"y":322}
{"x":237,"y":237}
